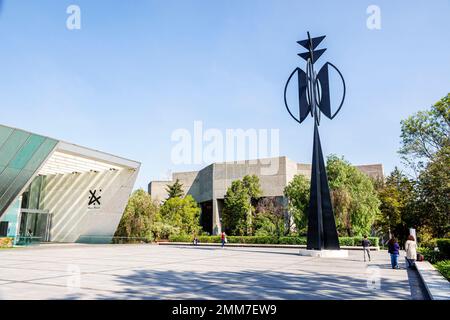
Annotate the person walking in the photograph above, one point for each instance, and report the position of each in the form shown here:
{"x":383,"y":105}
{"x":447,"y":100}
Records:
{"x":394,"y":249}
{"x":223,"y":237}
{"x":366,"y":247}
{"x":411,"y":252}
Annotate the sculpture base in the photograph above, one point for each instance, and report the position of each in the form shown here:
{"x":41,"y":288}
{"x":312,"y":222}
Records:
{"x":324,"y":253}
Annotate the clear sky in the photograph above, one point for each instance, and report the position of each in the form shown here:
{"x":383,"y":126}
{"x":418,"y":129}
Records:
{"x":138,"y":70}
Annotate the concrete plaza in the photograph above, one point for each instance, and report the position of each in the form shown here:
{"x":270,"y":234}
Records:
{"x":186,"y":272}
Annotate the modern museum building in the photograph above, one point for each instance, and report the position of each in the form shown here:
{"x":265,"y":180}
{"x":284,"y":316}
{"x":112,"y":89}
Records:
{"x":51,"y":190}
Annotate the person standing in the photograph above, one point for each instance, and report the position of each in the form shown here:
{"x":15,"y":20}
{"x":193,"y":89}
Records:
{"x":394,"y":250}
{"x":366,"y":247}
{"x":223,"y":237}
{"x":411,"y":252}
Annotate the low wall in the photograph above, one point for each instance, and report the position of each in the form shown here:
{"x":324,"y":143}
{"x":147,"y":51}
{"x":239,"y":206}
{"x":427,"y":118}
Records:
{"x":254,"y":245}
{"x":437,"y":286}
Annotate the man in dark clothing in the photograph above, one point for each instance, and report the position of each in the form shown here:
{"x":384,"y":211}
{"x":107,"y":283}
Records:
{"x":366,"y":247}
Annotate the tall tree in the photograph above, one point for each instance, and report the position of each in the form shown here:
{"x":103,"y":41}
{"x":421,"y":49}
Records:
{"x":140,"y":213}
{"x":175,"y":190}
{"x":397,"y":211}
{"x":182,"y":213}
{"x":425,"y":147}
{"x":425,"y":133}
{"x":354,"y":199}
{"x":238,"y":211}
{"x":433,"y":190}
{"x":237,"y":204}
{"x":270,"y":218}
{"x":297,"y":194}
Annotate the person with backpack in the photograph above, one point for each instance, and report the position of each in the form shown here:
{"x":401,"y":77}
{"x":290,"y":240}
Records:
{"x":366,"y":247}
{"x":411,"y":252}
{"x":394,"y":251}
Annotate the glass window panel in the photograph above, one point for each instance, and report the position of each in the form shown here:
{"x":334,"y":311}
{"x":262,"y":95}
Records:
{"x":4,"y":134}
{"x":9,"y":149}
{"x":26,"y":152}
{"x":6,"y":178}
{"x":25,"y":175}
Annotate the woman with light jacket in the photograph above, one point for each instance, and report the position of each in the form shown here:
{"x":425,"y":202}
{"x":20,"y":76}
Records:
{"x":411,"y":252}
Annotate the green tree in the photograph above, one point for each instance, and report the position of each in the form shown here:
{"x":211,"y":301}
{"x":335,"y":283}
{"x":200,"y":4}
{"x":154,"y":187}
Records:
{"x":297,"y":194}
{"x":175,"y":190}
{"x":140,"y":213}
{"x":397,"y":211}
{"x":433,"y":193}
{"x":270,"y":218}
{"x":355,"y":201}
{"x":425,"y":147}
{"x":238,"y":211}
{"x":182,"y":213}
{"x":425,"y":133}
{"x":237,"y":205}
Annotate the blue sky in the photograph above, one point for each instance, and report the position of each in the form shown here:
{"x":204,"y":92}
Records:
{"x":138,"y":70}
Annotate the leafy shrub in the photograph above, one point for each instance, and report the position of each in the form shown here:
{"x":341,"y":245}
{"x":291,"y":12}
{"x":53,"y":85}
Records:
{"x":356,"y":241}
{"x":252,"y":240}
{"x":444,"y":248}
{"x":209,"y":239}
{"x":375,"y":241}
{"x":293,"y":240}
{"x":431,"y":244}
{"x":444,"y":268}
{"x":180,"y":238}
{"x":344,"y":241}
{"x":161,"y":230}
{"x":430,"y":255}
{"x":6,"y":242}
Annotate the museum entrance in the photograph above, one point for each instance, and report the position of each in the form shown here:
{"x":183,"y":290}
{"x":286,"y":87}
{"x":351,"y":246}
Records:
{"x":206,"y":220}
{"x":35,"y":219}
{"x":35,"y":226}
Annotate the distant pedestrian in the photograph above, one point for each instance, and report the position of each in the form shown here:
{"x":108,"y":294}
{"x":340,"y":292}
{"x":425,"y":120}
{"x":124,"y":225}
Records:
{"x":394,"y":251}
{"x":29,"y":236}
{"x":366,"y":247}
{"x":411,"y":252}
{"x":223,"y":238}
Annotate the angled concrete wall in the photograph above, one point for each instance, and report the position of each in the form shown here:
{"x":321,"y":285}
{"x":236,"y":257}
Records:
{"x":66,"y":197}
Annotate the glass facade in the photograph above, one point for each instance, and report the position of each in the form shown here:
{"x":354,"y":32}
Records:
{"x":35,"y":220}
{"x":21,"y":154}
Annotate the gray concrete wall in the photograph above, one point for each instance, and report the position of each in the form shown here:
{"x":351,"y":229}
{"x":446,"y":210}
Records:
{"x":212,"y":182}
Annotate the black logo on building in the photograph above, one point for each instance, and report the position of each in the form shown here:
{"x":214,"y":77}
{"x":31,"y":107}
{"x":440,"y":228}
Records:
{"x":94,"y":199}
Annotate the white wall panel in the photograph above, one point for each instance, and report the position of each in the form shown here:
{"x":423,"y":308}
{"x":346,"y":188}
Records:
{"x":67,"y":199}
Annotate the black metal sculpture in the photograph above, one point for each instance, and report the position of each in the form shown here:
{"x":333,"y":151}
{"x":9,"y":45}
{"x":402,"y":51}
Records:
{"x":314,"y":99}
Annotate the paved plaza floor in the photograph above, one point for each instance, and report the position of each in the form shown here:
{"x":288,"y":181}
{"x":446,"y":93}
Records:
{"x":186,"y":272}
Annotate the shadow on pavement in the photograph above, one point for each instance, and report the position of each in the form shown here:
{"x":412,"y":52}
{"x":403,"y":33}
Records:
{"x":240,"y":285}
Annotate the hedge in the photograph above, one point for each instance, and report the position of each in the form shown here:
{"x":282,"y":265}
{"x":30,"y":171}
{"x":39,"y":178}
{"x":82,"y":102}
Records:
{"x":430,"y":255}
{"x":343,"y":241}
{"x":356,"y":241}
{"x":444,"y":248}
{"x":444,"y":268}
